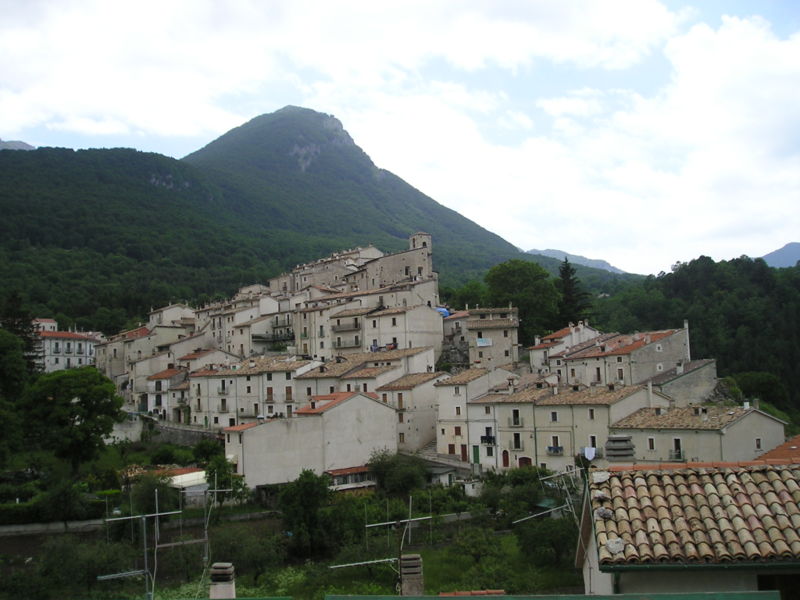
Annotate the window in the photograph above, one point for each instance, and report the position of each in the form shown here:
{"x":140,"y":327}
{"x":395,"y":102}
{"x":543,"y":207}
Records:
{"x":456,"y":391}
{"x":288,"y":375}
{"x":442,"y":430}
{"x":619,"y":359}
{"x":593,"y":441}
{"x":269,"y":376}
{"x":458,"y":410}
{"x":457,"y":430}
{"x":758,"y":443}
{"x":506,"y":353}
{"x":658,"y":348}
{"x":248,"y":389}
{"x":487,"y":410}
{"x":228,"y":437}
{"x":489,"y":451}
{"x":216,"y":420}
{"x":394,"y":321}
{"x":480,"y":334}
{"x":400,"y":417}
{"x":384,"y":397}
{"x":348,"y":388}
{"x":651,"y":444}
{"x":288,"y":393}
{"x":364,"y":387}
{"x":620,"y":376}
{"x":554,"y":418}
{"x":572,"y":373}
{"x":374,"y":324}
{"x":659,"y":367}
{"x":400,"y":400}
{"x":591,"y":414}
{"x":331,"y":389}
{"x":321,"y":345}
{"x":480,"y":354}
{"x":308,"y":391}
{"x":556,"y":441}
{"x":401,"y":437}
{"x":505,"y":332}
{"x":451,"y":448}
{"x":321,"y":330}
{"x":270,"y":408}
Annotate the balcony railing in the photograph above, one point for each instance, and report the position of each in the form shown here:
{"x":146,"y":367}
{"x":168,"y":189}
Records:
{"x":677,"y":455}
{"x":518,"y":422}
{"x":222,"y":408}
{"x":347,"y":344}
{"x":555,"y":450}
{"x":222,"y":391}
{"x":346,"y":327}
{"x":283,"y":336}
{"x":488,"y":439}
{"x":598,"y":452}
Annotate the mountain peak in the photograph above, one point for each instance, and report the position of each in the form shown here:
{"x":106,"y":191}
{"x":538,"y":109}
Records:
{"x":15,"y":145}
{"x":784,"y":257}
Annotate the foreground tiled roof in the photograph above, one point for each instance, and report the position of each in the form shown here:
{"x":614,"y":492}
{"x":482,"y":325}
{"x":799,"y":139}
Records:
{"x":324,"y":402}
{"x":688,"y":367}
{"x":265,"y":364}
{"x":557,"y":335}
{"x":195,"y":355}
{"x":492,"y":324}
{"x":66,"y":335}
{"x":165,"y":374}
{"x":242,"y":427}
{"x":369,"y":372}
{"x":727,"y":514}
{"x":689,"y":417}
{"x":588,"y":396}
{"x":343,"y":364}
{"x":624,"y":344}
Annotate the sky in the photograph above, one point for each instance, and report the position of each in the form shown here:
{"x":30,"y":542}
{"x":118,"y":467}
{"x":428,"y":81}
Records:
{"x":636,"y":131}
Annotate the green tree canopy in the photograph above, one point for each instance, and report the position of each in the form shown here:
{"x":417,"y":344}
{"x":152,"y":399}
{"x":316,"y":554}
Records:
{"x":528,"y":287}
{"x":575,"y":302}
{"x":71,"y":412}
{"x":302,"y":502}
{"x":396,"y":474}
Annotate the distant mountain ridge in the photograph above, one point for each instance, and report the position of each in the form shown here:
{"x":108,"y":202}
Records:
{"x":784,"y":257}
{"x":578,"y":260}
{"x":15,"y":145}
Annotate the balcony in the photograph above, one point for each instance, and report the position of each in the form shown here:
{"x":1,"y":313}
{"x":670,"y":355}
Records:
{"x":222,"y":408}
{"x":598,"y":452}
{"x":488,"y":440}
{"x":347,"y":344}
{"x":516,"y":445}
{"x":346,"y":327}
{"x":555,"y":450}
{"x":56,"y":350}
{"x":283,"y":336}
{"x":518,"y":422}
{"x":677,"y":455}
{"x":222,"y":391}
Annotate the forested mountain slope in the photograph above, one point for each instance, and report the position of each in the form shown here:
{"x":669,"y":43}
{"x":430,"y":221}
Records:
{"x":104,"y":235}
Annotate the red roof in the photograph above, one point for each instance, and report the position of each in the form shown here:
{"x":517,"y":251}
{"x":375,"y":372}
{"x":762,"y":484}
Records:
{"x":701,"y":465}
{"x":557,"y":335}
{"x":67,"y":335}
{"x":136,"y":333}
{"x":347,"y":471}
{"x":165,"y":374}
{"x":788,"y":450}
{"x":460,"y":314}
{"x":324,"y":402}
{"x":241,"y":427}
{"x":204,"y":372}
{"x":543,"y":345}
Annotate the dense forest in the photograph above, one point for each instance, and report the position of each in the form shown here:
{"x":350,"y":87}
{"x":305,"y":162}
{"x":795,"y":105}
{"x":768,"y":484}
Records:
{"x":102,"y":236}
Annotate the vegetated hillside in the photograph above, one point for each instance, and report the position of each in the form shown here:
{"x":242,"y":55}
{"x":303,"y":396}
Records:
{"x":299,"y":170}
{"x":102,"y":236}
{"x":741,"y":312}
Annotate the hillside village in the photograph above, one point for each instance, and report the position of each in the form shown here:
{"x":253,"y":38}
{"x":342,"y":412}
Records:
{"x":342,"y":357}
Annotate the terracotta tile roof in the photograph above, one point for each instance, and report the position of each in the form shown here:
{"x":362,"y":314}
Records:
{"x":265,"y":364}
{"x":464,"y":377}
{"x":44,"y":320}
{"x":195,"y":354}
{"x":410,"y":381}
{"x":788,"y":450}
{"x":722,"y":514}
{"x":557,"y":335}
{"x":347,"y":471}
{"x":497,"y":399}
{"x":492,"y":323}
{"x":345,"y":363}
{"x":623,"y":344}
{"x":575,"y":349}
{"x":165,"y":374}
{"x":588,"y":396}
{"x":543,"y":345}
{"x":325,"y":402}
{"x":353,"y":312}
{"x":688,"y":417}
{"x":135,"y":333}
{"x":184,"y":385}
{"x":66,"y":335}
{"x":242,"y":427}
{"x":205,"y":372}
{"x":369,"y":372}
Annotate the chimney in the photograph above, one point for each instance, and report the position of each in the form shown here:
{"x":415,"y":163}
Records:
{"x":555,"y":390}
{"x":650,"y":394}
{"x":688,"y":346}
{"x":223,"y":584}
{"x":679,"y":368}
{"x":411,"y":578}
